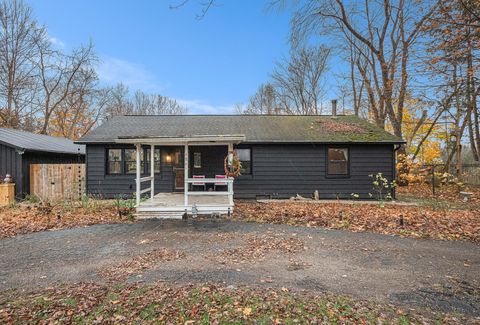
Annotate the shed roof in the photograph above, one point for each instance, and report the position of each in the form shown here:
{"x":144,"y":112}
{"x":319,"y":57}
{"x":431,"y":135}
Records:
{"x":255,"y":128}
{"x":38,"y":142}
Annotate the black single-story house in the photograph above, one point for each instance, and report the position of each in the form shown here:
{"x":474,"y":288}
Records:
{"x":19,"y":149}
{"x":281,"y":156}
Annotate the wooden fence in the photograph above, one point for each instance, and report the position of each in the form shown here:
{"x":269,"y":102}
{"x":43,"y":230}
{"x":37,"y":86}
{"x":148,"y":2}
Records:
{"x":54,"y":182}
{"x":467,"y":173}
{"x":470,"y":174}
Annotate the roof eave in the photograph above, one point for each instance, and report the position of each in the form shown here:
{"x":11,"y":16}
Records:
{"x":182,"y":140}
{"x":139,"y":140}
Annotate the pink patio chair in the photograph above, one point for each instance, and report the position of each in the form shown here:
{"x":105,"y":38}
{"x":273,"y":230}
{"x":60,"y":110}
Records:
{"x":217,"y":183}
{"x":202,"y":184}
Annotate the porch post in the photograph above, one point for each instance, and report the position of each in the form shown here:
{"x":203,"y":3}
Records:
{"x":230,"y":184}
{"x":185,"y":172}
{"x":152,"y":171}
{"x":138,"y":187}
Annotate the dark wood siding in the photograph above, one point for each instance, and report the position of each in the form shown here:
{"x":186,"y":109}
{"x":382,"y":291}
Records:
{"x":11,"y":163}
{"x":282,"y":171}
{"x":278,"y":170}
{"x":101,"y":185}
{"x":212,"y":160}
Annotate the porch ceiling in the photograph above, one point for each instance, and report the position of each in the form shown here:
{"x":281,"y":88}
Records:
{"x":197,"y":139}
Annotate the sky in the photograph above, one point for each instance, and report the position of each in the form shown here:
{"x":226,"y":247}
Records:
{"x":208,"y":65}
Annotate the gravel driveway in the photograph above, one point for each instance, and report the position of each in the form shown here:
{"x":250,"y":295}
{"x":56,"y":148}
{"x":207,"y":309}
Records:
{"x":427,"y":273}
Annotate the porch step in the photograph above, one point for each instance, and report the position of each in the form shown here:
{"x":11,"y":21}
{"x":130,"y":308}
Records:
{"x":159,"y":215}
{"x":145,"y":213}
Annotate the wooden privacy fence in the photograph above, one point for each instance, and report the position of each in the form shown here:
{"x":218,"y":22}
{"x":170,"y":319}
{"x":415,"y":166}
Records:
{"x":53,"y":182}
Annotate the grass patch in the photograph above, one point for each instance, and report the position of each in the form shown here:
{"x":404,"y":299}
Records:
{"x":203,"y":304}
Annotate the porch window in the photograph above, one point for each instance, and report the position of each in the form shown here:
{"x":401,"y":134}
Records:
{"x":245,"y":157}
{"x":131,"y":161}
{"x":197,"y":160}
{"x":157,"y":161}
{"x":114,"y":161}
{"x":337,"y":164}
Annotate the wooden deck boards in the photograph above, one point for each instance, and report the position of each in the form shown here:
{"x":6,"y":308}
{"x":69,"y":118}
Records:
{"x":171,"y":205}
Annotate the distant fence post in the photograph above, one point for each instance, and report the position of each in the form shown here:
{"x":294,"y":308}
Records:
{"x":433,"y":179}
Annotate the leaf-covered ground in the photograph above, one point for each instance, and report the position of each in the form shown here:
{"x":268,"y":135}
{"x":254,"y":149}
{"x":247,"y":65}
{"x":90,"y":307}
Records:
{"x":445,"y":197}
{"x":418,"y":221}
{"x":443,"y":216}
{"x":140,"y":263}
{"x":256,"y":247}
{"x":92,"y":303}
{"x":26,"y":218}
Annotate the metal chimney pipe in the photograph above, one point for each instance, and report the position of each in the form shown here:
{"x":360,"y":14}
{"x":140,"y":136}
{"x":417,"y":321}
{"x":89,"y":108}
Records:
{"x":334,"y":107}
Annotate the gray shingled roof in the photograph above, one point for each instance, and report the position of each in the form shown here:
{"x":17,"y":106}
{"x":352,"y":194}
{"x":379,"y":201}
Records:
{"x":256,"y":128}
{"x":38,"y":142}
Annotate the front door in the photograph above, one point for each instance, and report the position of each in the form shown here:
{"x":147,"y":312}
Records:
{"x":178,"y":169}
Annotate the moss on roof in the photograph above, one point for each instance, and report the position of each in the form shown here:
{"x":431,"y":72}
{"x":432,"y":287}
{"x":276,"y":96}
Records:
{"x":350,"y":128}
{"x":256,"y":128}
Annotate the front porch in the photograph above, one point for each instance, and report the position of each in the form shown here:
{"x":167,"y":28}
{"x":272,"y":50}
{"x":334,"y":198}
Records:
{"x":204,"y":187}
{"x":172,"y":205}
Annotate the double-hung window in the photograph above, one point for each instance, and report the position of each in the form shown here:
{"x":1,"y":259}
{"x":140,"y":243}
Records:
{"x":245,"y":157}
{"x":338,"y":162}
{"x":131,"y":161}
{"x":114,"y":163}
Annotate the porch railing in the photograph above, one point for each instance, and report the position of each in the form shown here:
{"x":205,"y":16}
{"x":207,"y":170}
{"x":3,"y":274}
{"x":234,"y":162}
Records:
{"x":228,"y":193}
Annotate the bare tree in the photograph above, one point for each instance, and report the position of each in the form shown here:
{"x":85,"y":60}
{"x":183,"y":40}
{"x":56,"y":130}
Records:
{"x":454,"y":60}
{"x":119,"y":103}
{"x":83,"y":107}
{"x":57,"y":74}
{"x":148,"y":104}
{"x":299,"y":80}
{"x":19,"y":35}
{"x":296,"y":86}
{"x":167,"y":106}
{"x":264,"y":101}
{"x":383,"y":32}
{"x":206,"y":5}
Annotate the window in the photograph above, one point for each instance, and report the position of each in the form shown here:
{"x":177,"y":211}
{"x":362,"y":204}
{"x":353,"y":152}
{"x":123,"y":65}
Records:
{"x":156,"y":162}
{"x":114,"y":163}
{"x":245,"y":157}
{"x":131,"y":161}
{"x":197,"y":160}
{"x":337,"y":161}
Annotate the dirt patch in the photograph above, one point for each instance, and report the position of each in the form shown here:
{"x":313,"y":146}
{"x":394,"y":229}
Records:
{"x":454,"y":297}
{"x":406,"y":221}
{"x":140,"y":263}
{"x":257,"y":247}
{"x":294,"y":265}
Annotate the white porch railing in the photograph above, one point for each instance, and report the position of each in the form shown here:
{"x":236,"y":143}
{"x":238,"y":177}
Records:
{"x":139,"y":180}
{"x":187,"y":180}
{"x":228,"y":193}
